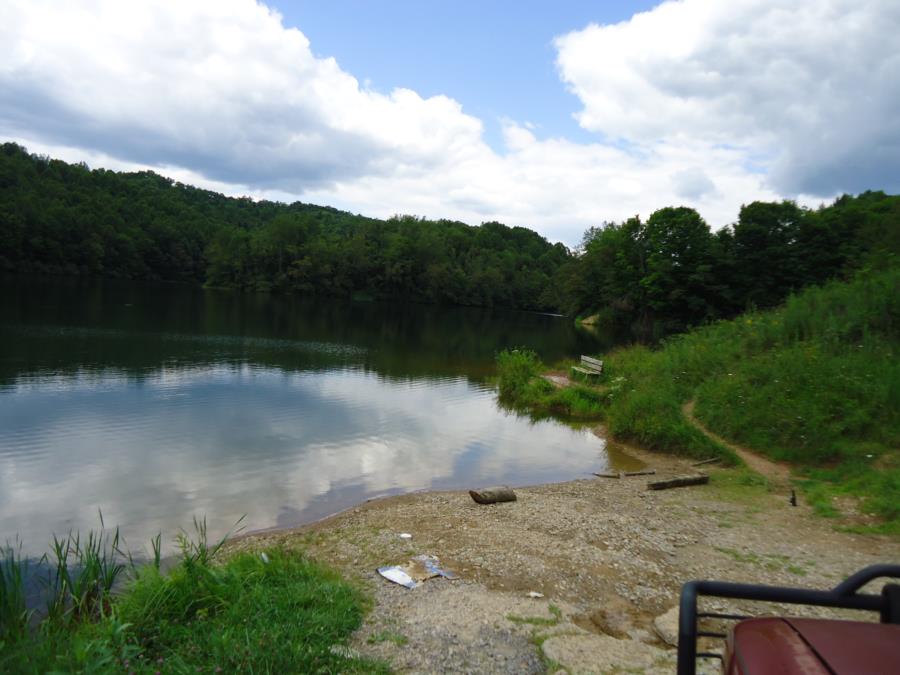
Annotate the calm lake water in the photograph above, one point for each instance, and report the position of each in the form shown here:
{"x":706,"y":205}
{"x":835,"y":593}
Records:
{"x":155,"y":404}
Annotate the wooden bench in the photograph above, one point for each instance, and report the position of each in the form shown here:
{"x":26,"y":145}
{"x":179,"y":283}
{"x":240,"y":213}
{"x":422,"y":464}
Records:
{"x":589,"y":367}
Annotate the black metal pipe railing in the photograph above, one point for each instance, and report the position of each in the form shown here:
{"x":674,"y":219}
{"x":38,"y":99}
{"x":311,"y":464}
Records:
{"x":844,"y":596}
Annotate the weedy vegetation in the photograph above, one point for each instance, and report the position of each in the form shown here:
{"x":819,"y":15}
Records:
{"x":265,"y":612}
{"x":815,"y":383}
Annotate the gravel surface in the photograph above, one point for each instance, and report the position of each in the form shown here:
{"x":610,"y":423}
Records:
{"x":608,"y":556}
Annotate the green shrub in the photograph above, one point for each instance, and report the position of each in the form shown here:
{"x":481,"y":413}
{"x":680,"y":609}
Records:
{"x":516,"y":369}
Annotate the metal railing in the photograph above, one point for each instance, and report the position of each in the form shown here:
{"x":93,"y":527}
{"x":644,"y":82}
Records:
{"x":844,"y":596}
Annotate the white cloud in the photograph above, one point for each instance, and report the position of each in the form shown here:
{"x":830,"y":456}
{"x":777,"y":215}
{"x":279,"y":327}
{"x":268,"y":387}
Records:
{"x":220,"y":87}
{"x":692,"y":183}
{"x":692,"y":102}
{"x":810,"y":89}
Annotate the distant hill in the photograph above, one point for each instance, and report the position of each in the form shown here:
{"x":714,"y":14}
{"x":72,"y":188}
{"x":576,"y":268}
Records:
{"x":644,"y":279}
{"x":60,"y":218}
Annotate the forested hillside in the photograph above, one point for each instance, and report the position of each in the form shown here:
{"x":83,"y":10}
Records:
{"x":644,"y":279}
{"x":64,"y":218}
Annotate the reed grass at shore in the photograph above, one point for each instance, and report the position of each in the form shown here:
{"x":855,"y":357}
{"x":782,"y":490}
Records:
{"x":267,"y":612}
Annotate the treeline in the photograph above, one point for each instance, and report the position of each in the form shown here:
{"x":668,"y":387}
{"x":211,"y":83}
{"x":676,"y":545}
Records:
{"x":661,"y":276}
{"x":644,"y":279}
{"x":61,"y":218}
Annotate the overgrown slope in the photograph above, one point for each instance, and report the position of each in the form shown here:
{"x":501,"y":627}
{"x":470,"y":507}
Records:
{"x":815,"y":382}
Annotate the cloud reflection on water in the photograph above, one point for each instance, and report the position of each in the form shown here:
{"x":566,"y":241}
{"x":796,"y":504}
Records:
{"x":281,"y":447}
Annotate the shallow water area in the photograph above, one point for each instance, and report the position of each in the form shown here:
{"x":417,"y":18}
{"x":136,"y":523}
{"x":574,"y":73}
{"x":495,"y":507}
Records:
{"x":156,"y":404}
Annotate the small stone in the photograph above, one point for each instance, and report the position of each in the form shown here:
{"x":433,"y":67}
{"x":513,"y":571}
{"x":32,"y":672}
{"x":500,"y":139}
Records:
{"x":666,"y":626}
{"x":344,"y":652}
{"x":613,"y":621}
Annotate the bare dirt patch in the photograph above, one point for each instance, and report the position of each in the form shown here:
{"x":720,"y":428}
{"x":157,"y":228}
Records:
{"x":558,"y":379}
{"x":608,"y":555}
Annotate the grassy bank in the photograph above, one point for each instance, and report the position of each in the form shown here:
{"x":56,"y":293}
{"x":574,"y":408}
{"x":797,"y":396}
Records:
{"x":272,"y":612}
{"x":637,"y":407}
{"x":815,"y":382}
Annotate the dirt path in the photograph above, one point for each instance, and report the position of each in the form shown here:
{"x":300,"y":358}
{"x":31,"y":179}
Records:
{"x":607,"y":555}
{"x":779,"y":474}
{"x":559,"y":380}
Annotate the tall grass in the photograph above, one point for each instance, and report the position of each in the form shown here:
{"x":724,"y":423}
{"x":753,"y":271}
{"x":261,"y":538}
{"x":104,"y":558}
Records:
{"x":84,"y":572}
{"x":518,"y":371}
{"x":818,"y":384}
{"x":815,"y":382}
{"x":649,"y":415}
{"x":275,"y":612}
{"x":14,"y":615}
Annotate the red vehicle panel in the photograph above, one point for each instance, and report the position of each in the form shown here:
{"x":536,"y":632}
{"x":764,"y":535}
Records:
{"x":787,"y":646}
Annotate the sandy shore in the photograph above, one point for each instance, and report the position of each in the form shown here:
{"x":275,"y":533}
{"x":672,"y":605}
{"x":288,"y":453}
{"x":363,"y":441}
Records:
{"x":607,"y":555}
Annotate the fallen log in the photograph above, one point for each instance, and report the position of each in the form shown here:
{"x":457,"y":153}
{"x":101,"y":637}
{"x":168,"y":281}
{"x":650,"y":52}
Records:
{"x":678,"y":481}
{"x":645,"y":472}
{"x":608,"y":475}
{"x":493,"y":495}
{"x":711,"y":460}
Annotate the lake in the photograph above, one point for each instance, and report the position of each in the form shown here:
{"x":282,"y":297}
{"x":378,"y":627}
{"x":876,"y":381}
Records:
{"x":158,"y":403}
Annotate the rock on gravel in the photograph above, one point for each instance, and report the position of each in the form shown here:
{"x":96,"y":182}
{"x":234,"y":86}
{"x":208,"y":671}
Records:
{"x":586,"y":654}
{"x":666,"y":626}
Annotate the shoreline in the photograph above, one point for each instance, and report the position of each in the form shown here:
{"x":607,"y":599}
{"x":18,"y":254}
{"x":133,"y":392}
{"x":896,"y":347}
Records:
{"x":636,"y":459}
{"x":607,"y":555}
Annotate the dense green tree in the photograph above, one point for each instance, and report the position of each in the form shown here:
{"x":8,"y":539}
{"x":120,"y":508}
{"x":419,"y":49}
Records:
{"x":66,"y":219}
{"x":677,"y":277}
{"x":672,"y":272}
{"x":766,"y":252}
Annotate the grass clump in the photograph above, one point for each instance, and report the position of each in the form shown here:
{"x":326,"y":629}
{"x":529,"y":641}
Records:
{"x":83,"y":574}
{"x":247,"y":615}
{"x":769,"y":561}
{"x":387,"y":636}
{"x":14,"y":615}
{"x":270,"y":612}
{"x":552,"y":620}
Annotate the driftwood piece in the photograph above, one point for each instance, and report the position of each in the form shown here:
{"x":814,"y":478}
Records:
{"x":608,"y":474}
{"x":493,"y":495}
{"x":711,"y":460}
{"x":645,"y":472}
{"x":678,"y":481}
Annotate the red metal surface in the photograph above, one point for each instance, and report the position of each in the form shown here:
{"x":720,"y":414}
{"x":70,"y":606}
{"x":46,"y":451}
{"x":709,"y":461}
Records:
{"x":853,"y":646}
{"x":770,"y":646}
{"x":799,"y":646}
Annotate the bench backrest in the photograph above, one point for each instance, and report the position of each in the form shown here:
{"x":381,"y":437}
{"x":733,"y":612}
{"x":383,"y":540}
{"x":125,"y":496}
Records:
{"x":593,"y":363}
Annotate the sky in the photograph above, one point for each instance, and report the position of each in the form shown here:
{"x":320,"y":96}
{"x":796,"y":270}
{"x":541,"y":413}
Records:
{"x":555,"y":116}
